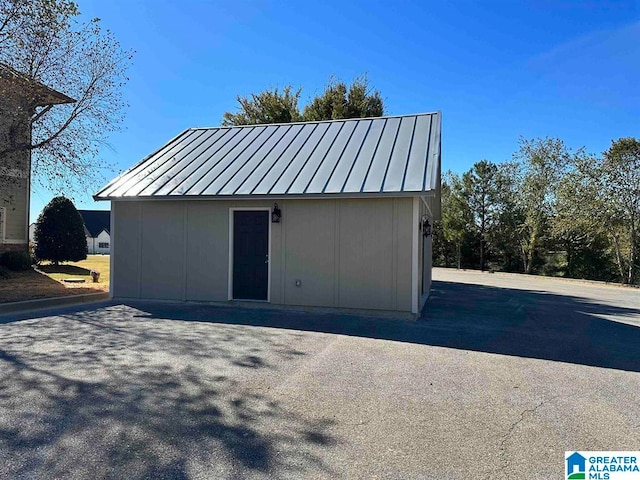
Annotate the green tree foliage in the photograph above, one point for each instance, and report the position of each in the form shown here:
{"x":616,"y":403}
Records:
{"x":480,"y":192}
{"x":542,"y":164}
{"x":577,"y":227}
{"x":59,"y":233}
{"x":551,"y":210}
{"x":615,"y":181}
{"x":338,"y":100}
{"x":270,"y":106}
{"x":453,"y":234}
{"x":45,"y":42}
{"x":341,"y":101}
{"x":504,"y":233}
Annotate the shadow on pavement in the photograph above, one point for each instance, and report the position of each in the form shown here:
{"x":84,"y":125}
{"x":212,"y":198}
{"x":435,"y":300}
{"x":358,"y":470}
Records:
{"x":481,"y":318}
{"x":96,"y":393}
{"x":153,"y":390}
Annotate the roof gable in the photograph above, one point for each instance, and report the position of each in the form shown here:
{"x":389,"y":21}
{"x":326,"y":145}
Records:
{"x":95,"y":221}
{"x":369,"y":156}
{"x":17,"y":83}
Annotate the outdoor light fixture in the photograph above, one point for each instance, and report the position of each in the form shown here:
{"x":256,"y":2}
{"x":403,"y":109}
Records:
{"x":425,"y":226}
{"x":275,"y":214}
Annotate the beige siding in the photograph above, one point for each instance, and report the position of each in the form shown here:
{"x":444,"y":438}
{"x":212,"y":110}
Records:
{"x":127,"y":217}
{"x":162,"y":251}
{"x":365,"y":269}
{"x":403,"y":225}
{"x":207,"y":251}
{"x":425,"y":251}
{"x":14,"y":173}
{"x":353,"y":253}
{"x":309,"y":253}
{"x":14,"y":199}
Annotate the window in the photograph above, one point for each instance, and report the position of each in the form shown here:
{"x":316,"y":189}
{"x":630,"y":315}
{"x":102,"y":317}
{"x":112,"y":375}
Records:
{"x":103,"y":245}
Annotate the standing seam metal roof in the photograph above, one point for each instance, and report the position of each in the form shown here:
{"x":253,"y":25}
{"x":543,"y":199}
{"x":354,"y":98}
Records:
{"x":372,"y":156}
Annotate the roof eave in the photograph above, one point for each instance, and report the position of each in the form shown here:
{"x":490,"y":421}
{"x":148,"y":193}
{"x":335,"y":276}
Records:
{"x":306,"y":196}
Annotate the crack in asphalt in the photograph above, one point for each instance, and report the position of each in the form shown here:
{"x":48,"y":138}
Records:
{"x":528,"y":412}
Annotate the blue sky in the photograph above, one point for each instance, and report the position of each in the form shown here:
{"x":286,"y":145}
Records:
{"x":497,"y":70}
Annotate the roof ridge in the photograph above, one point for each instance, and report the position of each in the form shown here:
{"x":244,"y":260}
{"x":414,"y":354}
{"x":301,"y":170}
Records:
{"x":309,"y":122}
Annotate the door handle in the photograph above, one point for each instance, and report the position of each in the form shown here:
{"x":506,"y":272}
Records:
{"x":267,"y":259}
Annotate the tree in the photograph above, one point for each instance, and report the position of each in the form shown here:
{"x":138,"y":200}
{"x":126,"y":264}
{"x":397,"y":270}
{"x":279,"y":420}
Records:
{"x":339,"y":101}
{"x":455,"y":223}
{"x":269,"y":106}
{"x":578,"y":228}
{"x":59,"y":233}
{"x":480,"y":190}
{"x":505,"y":232}
{"x":336,"y":102}
{"x":45,"y":42}
{"x":542,"y":163}
{"x":614,"y":186}
{"x":620,"y":182}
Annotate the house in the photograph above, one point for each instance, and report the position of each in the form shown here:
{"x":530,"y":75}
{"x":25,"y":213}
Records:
{"x":576,"y":464}
{"x":325,"y":214}
{"x":32,"y":232}
{"x":96,"y":229}
{"x":22,"y":102}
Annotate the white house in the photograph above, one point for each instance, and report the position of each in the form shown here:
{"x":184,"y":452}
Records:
{"x":96,"y":229}
{"x":329,"y":214}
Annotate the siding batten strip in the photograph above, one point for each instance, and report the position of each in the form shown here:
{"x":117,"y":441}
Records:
{"x":394,"y":258}
{"x":185,"y":238}
{"x":283,"y":255}
{"x":140,"y":239}
{"x":112,"y":222}
{"x":414,"y":255}
{"x":336,"y":259}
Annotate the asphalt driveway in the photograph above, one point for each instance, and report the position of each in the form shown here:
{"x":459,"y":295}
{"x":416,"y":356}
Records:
{"x":502,"y":376}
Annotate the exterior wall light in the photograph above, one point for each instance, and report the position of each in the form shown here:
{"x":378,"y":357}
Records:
{"x":276,"y":214}
{"x":425,"y":226}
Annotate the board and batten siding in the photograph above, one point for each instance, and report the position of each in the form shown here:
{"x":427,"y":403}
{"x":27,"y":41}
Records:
{"x":346,"y":253}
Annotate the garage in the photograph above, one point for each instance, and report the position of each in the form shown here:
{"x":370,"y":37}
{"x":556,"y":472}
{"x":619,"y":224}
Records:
{"x":332,"y":214}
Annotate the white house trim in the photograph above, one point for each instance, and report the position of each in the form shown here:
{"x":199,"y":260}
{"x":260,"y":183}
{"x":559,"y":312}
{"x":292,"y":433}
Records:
{"x":230,"y":274}
{"x":426,"y":204}
{"x":111,"y":251}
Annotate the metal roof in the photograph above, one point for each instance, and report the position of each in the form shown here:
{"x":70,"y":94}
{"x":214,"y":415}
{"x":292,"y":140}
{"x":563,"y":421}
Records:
{"x":365,"y":156}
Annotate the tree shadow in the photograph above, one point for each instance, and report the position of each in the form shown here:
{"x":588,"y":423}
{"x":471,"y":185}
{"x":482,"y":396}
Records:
{"x":64,"y":269}
{"x":33,"y":285}
{"x":155,"y":390}
{"x":524,"y":323}
{"x":101,"y":393}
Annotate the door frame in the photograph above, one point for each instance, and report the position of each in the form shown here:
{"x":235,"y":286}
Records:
{"x":230,"y":274}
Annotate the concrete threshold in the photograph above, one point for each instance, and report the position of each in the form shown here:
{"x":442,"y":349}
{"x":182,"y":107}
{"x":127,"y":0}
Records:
{"x":52,"y":302}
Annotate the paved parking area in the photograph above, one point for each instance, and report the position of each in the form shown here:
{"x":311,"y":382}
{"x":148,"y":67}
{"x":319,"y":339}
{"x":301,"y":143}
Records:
{"x":502,"y":376}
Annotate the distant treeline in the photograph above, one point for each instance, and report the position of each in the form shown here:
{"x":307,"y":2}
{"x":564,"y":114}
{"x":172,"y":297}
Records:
{"x":548,"y":211}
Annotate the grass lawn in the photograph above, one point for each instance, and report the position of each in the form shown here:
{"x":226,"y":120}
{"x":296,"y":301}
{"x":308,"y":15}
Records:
{"x":81,"y":269}
{"x":47,"y":280}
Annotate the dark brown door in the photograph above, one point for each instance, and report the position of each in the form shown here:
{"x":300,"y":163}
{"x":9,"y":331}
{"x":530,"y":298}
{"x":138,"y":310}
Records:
{"x":250,"y":255}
